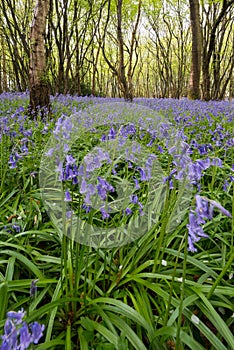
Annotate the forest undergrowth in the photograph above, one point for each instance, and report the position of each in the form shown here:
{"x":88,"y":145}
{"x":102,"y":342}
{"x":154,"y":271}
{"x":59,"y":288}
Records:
{"x":117,"y":224}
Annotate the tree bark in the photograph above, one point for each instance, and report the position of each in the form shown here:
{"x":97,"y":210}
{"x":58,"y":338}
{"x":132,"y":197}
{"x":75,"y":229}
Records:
{"x":39,"y":87}
{"x":209,"y":49}
{"x":3,"y":69}
{"x":121,"y":68}
{"x":194,"y":84}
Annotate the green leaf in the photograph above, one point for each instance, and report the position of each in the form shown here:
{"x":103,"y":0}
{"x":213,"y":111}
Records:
{"x":10,"y":269}
{"x":208,"y":310}
{"x":123,"y":309}
{"x":7,"y":197}
{"x":32,"y":267}
{"x":83,"y":342}
{"x":3,"y":299}
{"x":53,"y":344}
{"x":129,"y":333}
{"x":93,"y":325}
{"x":68,"y":338}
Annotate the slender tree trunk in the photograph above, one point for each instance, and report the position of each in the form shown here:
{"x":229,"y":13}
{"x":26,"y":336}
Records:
{"x":95,"y":69}
{"x":3,"y":78}
{"x":194,"y":85}
{"x":121,"y":69}
{"x":39,"y":87}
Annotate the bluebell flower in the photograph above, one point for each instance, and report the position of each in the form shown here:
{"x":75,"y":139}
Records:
{"x":16,"y":227}
{"x":105,"y":214}
{"x":128,"y":211}
{"x":70,"y":160}
{"x":150,"y":144}
{"x":17,"y":156}
{"x":121,"y":142}
{"x":171,"y":185}
{"x":81,"y":171}
{"x":24,"y":149}
{"x":220,"y":207}
{"x":66,"y":147}
{"x":67,"y":196}
{"x":149,"y":161}
{"x":149,"y":176}
{"x":203,"y":210}
{"x":225,"y":185}
{"x":137,"y":186}
{"x":33,"y":288}
{"x":83,"y":187}
{"x":130,"y":165}
{"x":217,"y":162}
{"x":103,"y":138}
{"x":103,"y":188}
{"x":169,"y":178}
{"x":204,"y":148}
{"x":25,"y":337}
{"x":92,"y":162}
{"x":68,"y":173}
{"x":10,"y":336}
{"x":68,"y":216}
{"x":12,"y":162}
{"x":195,"y":231}
{"x":90,"y":191}
{"x":50,"y":152}
{"x":75,"y":175}
{"x":103,"y":155}
{"x":128,"y":129}
{"x":130,"y":155}
{"x":143,"y":174}
{"x":8,"y":327}
{"x":37,"y":332}
{"x":160,"y":149}
{"x":18,"y":334}
{"x":134,"y":198}
{"x":33,"y":174}
{"x":112,"y":133}
{"x":195,"y":170}
{"x":87,"y":208}
{"x":114,"y":172}
{"x":59,"y":169}
{"x":16,"y":316}
{"x":141,"y":207}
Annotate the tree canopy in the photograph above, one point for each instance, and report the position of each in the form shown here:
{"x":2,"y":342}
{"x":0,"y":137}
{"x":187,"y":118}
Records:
{"x":121,"y":48}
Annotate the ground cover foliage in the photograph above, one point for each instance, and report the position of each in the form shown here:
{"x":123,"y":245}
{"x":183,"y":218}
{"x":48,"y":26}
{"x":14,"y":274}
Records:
{"x":166,"y":289}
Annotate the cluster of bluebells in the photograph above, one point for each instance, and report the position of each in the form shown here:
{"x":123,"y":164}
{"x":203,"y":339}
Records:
{"x":192,"y":119}
{"x":128,"y":153}
{"x":185,"y":167}
{"x":229,"y":180}
{"x":13,"y":228}
{"x":18,"y":129}
{"x":188,"y":142}
{"x":195,"y":118}
{"x":180,"y":110}
{"x":18,"y":335}
{"x":197,"y":218}
{"x":182,"y":167}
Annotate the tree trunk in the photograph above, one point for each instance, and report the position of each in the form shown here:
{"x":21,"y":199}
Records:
{"x":194,"y":84}
{"x":3,"y":78}
{"x":209,"y":48}
{"x":39,"y":87}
